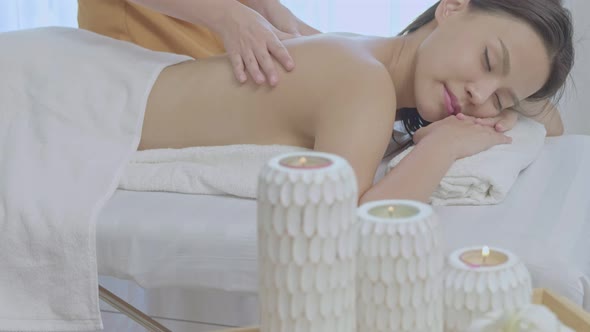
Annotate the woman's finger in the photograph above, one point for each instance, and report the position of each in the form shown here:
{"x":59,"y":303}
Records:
{"x":462,"y":116}
{"x":507,"y":122}
{"x":252,"y":66}
{"x":505,"y":139}
{"x":490,"y":122}
{"x":499,"y":138}
{"x":238,"y":67}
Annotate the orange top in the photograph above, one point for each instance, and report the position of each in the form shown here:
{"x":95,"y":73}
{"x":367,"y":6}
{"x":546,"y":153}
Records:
{"x":124,"y":20}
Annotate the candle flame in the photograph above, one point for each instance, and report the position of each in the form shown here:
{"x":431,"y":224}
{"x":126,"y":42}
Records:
{"x":485,"y":252}
{"x":390,"y":209}
{"x":302,"y":161}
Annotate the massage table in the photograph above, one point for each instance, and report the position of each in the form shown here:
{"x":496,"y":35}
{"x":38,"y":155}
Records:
{"x":190,"y":260}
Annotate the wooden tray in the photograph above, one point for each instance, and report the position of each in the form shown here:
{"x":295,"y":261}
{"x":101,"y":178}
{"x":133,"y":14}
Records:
{"x":567,"y":312}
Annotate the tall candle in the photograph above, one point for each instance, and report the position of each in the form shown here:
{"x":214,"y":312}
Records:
{"x":482,"y":279}
{"x":306,"y":243}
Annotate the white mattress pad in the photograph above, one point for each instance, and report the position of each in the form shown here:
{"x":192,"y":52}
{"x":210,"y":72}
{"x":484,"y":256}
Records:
{"x":198,"y":241}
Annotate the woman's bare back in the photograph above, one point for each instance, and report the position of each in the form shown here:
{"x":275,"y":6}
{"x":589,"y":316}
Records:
{"x":199,"y":103}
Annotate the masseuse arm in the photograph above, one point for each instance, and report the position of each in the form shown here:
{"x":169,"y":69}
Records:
{"x":209,"y":13}
{"x":249,"y":39}
{"x":281,"y":17}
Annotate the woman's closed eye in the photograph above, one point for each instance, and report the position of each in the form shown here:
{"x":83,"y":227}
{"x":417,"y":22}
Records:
{"x":489,"y":69}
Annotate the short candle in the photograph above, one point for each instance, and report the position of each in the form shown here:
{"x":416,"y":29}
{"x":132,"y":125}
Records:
{"x":399,"y":268}
{"x":483,"y":258}
{"x":305,"y":162}
{"x":479,"y":280}
{"x":394,"y":211}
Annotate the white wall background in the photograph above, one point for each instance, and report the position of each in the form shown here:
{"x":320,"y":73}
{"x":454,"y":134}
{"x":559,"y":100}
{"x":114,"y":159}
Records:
{"x":574,"y":106}
{"x":371,"y":17}
{"x":24,"y":14}
{"x":374,"y":17}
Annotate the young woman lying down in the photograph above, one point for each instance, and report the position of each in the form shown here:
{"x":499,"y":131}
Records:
{"x":461,"y":65}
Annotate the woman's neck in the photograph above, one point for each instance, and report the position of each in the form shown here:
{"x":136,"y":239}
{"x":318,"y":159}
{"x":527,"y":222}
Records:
{"x":398,"y":55}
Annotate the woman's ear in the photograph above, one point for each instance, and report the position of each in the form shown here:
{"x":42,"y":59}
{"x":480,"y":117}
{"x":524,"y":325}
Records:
{"x":448,"y":8}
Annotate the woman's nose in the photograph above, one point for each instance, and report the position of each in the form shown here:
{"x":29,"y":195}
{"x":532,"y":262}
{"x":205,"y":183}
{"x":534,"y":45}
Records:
{"x":478,"y":93}
{"x":479,"y":98}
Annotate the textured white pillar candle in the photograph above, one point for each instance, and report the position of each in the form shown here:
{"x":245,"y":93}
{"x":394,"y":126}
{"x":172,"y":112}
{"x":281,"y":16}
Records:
{"x":306,"y":243}
{"x":400,"y":265}
{"x":476,"y":283}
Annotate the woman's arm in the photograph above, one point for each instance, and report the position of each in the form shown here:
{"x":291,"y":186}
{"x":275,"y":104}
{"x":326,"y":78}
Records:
{"x":356,"y":119}
{"x":357,"y":123}
{"x":419,"y":173}
{"x":546,"y":113}
{"x":543,"y":111}
{"x":416,"y":177}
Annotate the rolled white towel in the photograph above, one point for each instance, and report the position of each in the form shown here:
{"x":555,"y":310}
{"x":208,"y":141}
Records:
{"x":486,"y":177}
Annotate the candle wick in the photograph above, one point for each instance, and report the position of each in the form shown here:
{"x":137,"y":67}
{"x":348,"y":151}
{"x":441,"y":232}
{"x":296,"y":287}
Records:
{"x":390,"y":210}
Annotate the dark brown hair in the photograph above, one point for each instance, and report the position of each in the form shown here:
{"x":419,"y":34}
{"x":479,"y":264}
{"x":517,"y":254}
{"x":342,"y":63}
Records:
{"x":548,"y":18}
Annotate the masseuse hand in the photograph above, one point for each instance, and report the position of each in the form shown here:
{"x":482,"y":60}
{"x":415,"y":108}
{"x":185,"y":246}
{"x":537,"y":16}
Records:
{"x":251,"y":42}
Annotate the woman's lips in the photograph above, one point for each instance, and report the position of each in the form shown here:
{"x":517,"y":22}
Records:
{"x":451,"y":102}
{"x":448,"y":101}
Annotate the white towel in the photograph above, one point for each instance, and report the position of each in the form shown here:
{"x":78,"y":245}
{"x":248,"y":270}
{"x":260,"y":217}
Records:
{"x":71,"y":110}
{"x":486,"y":177}
{"x":213,"y":170}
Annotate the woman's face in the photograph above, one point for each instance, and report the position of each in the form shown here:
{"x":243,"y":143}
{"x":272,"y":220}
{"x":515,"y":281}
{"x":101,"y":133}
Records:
{"x":477,"y":63}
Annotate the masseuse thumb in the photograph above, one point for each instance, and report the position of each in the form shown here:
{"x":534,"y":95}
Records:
{"x":284,"y":35}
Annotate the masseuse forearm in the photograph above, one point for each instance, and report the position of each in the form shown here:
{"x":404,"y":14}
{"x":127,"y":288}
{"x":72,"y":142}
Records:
{"x":210,"y":13}
{"x":416,"y":177}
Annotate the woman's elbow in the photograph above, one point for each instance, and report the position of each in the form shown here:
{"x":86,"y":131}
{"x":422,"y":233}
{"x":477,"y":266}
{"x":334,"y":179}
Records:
{"x":556,"y":129}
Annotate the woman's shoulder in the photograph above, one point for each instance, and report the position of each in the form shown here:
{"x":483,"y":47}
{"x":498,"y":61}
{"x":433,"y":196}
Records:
{"x":333,"y":46}
{"x":341,"y":60}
